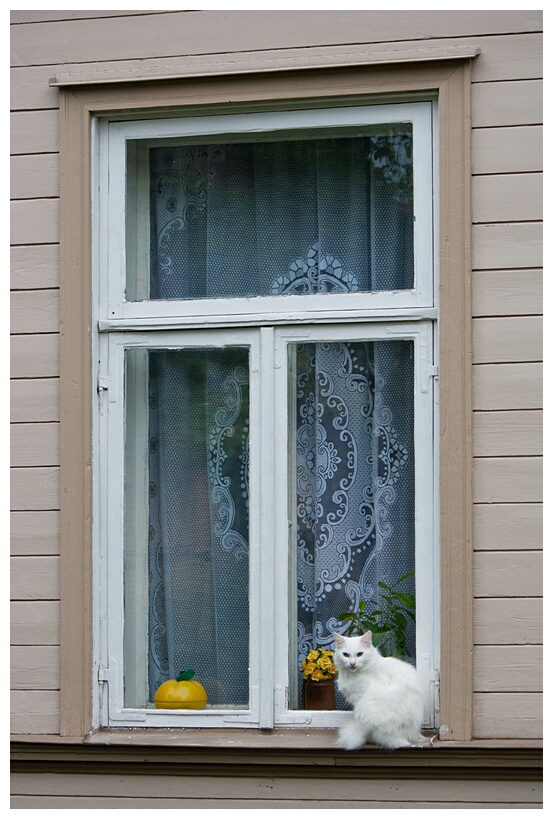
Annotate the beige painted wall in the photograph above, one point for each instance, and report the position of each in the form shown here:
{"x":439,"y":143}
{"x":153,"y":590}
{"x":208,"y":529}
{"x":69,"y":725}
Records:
{"x":507,"y":209}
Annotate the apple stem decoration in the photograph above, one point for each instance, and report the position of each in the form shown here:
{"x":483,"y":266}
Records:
{"x":186,"y":675}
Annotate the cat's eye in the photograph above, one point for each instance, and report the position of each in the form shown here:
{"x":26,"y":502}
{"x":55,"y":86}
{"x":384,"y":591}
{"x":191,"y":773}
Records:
{"x":346,"y":655}
{"x":359,"y":653}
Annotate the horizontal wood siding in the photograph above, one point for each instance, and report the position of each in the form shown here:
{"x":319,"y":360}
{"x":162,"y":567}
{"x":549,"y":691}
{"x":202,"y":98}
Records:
{"x":98,"y":40}
{"x":101,"y":791}
{"x":501,"y":526}
{"x":507,"y":353}
{"x":507,"y":621}
{"x":35,"y":624}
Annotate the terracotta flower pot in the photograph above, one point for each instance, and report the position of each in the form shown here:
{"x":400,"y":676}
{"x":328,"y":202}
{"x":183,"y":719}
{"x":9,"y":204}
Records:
{"x":318,"y":695}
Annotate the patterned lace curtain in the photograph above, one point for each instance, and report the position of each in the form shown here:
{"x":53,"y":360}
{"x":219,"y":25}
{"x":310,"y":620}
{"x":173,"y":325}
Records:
{"x":296,"y":217}
{"x":354,"y":480}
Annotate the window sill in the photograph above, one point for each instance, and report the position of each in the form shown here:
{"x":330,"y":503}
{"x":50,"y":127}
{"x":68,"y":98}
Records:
{"x":282,"y":752}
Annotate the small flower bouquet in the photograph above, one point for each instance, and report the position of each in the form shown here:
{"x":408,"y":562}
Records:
{"x":318,"y":665}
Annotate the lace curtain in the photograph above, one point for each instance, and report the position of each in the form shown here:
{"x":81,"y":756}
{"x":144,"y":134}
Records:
{"x":309,"y":216}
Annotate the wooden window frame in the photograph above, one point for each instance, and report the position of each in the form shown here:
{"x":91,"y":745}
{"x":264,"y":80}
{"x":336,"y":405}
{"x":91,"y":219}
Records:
{"x":449,"y":80}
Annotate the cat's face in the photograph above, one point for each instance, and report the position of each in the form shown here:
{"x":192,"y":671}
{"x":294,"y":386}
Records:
{"x":352,"y":652}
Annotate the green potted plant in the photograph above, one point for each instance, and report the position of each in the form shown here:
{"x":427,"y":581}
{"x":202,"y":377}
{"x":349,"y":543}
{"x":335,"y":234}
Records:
{"x":388,"y":619}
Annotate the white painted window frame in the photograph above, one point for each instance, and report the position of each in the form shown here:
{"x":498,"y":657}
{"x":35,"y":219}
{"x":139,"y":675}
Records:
{"x":265,"y":324}
{"x":269,"y":309}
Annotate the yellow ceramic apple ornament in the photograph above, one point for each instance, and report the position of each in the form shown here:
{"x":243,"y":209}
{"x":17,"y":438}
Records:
{"x":184,"y":692}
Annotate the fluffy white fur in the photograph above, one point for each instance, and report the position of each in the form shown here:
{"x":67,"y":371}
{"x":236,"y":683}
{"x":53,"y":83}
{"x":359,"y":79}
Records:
{"x":386,"y":695}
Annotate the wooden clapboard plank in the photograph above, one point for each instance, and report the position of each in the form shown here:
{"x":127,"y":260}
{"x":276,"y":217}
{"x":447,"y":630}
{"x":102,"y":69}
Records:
{"x":35,"y":623}
{"x":507,"y":292}
{"x":171,"y":34}
{"x":507,"y":246}
{"x":42,"y":16}
{"x":503,"y":526}
{"x":516,"y":197}
{"x":508,"y":621}
{"x":35,"y":668}
{"x":35,"y":356}
{"x":35,"y":176}
{"x":274,"y":788}
{"x":103,"y":803}
{"x":35,"y":712}
{"x":507,"y":386}
{"x":508,"y":668}
{"x":507,"y":150}
{"x":507,"y":574}
{"x":498,"y":104}
{"x":35,"y":578}
{"x":35,"y":399}
{"x":34,"y":132}
{"x":508,"y":433}
{"x":508,"y":480}
{"x":35,"y":444}
{"x":34,"y":222}
{"x":508,"y":716}
{"x":35,"y":311}
{"x":507,"y":339}
{"x":35,"y":488}
{"x":35,"y":533}
{"x":35,"y":266}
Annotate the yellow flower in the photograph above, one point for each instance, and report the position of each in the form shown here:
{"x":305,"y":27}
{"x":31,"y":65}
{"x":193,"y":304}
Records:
{"x":308,"y":670}
{"x":318,"y":665}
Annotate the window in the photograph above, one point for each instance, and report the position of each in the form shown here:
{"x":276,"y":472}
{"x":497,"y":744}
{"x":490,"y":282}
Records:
{"x":266,"y":417}
{"x":86,"y":671}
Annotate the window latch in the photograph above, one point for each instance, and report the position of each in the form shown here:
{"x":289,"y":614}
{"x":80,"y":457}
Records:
{"x":103,"y":387}
{"x":431,"y":373}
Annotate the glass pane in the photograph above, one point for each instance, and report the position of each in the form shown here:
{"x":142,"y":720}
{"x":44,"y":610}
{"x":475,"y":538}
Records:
{"x":296,"y":216}
{"x":352,"y":467}
{"x":186,"y":540}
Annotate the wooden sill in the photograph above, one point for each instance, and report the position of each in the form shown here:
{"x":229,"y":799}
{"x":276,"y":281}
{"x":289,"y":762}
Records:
{"x":287,"y":738}
{"x":284,"y":752}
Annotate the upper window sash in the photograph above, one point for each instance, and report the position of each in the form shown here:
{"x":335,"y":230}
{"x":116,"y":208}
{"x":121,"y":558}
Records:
{"x":116,"y":146}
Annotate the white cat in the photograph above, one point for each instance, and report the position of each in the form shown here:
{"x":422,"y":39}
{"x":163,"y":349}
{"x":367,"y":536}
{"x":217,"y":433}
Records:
{"x":386,"y":695}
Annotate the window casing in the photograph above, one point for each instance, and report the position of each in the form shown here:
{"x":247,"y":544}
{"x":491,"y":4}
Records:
{"x":269,"y":327}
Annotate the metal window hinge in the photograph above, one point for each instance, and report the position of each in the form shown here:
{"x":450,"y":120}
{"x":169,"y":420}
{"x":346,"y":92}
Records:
{"x":105,"y":674}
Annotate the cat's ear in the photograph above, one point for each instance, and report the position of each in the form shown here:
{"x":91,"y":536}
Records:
{"x":339,"y":640}
{"x":367,"y":638}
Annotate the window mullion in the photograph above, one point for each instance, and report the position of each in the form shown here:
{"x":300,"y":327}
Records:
{"x":264,"y":536}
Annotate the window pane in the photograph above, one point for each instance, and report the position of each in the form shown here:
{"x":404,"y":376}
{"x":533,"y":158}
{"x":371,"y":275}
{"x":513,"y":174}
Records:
{"x":295,"y":216}
{"x":186,"y":588}
{"x":353,"y":470}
